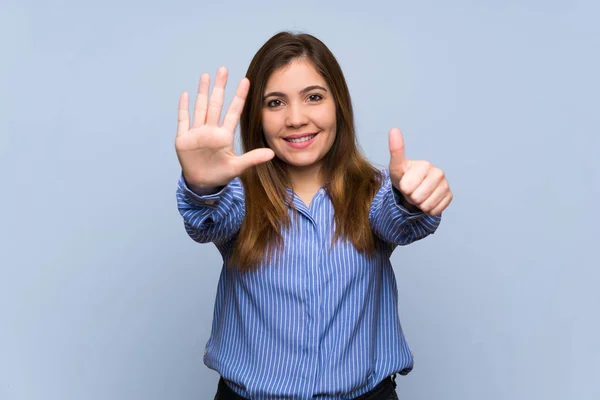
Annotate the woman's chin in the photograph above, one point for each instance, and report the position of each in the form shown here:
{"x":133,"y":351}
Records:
{"x":301,"y":164}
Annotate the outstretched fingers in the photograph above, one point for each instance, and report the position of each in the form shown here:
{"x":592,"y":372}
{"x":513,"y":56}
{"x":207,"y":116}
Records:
{"x":254,"y":157}
{"x":215,"y":103}
{"x":201,"y":101}
{"x":183,"y":116}
{"x":237,"y":105}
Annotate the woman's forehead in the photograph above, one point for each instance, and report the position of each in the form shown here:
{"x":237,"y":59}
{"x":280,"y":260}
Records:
{"x":294,"y":77}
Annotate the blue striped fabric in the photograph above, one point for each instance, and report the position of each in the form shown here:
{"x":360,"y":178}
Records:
{"x":314,"y":322}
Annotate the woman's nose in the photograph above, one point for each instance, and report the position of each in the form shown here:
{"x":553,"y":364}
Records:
{"x":295,"y":117}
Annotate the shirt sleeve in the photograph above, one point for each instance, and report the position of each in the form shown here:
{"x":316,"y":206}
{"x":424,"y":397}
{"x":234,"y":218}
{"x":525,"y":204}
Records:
{"x":392,"y":222}
{"x":213,"y":217}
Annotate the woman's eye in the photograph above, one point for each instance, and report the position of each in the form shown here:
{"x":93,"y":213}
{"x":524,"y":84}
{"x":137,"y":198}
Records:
{"x":315,"y":97}
{"x":274,"y":103}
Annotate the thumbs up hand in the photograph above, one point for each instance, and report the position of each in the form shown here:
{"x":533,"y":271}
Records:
{"x":422,"y":184}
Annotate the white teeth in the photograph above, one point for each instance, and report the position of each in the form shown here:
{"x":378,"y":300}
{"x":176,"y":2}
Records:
{"x":300,"y":140}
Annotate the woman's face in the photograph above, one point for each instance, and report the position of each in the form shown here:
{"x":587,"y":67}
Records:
{"x":298,"y":115}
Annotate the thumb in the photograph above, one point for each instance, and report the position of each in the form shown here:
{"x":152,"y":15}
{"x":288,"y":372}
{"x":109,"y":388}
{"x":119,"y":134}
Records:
{"x":397,"y":160}
{"x":254,"y":157}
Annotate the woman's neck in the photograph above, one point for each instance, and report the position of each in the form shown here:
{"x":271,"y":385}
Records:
{"x":305,"y":179}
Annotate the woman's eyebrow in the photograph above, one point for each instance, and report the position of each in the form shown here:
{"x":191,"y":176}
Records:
{"x":303,"y":91}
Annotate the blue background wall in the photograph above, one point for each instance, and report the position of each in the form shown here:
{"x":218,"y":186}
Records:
{"x":103,"y":295}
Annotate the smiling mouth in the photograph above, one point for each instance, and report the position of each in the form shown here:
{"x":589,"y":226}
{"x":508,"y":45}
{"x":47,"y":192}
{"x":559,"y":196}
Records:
{"x":301,"y":139}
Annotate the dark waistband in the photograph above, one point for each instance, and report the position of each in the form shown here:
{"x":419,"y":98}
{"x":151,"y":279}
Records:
{"x":380,"y":392}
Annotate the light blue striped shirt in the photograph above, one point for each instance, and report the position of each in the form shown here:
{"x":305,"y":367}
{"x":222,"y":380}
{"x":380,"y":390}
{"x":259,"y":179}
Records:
{"x":313,"y":323}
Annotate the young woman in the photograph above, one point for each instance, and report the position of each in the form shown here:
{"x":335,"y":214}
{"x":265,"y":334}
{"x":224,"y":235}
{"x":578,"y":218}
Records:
{"x":306,"y":304}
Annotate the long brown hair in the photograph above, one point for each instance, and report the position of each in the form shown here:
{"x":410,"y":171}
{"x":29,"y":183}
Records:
{"x":345,"y":169}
